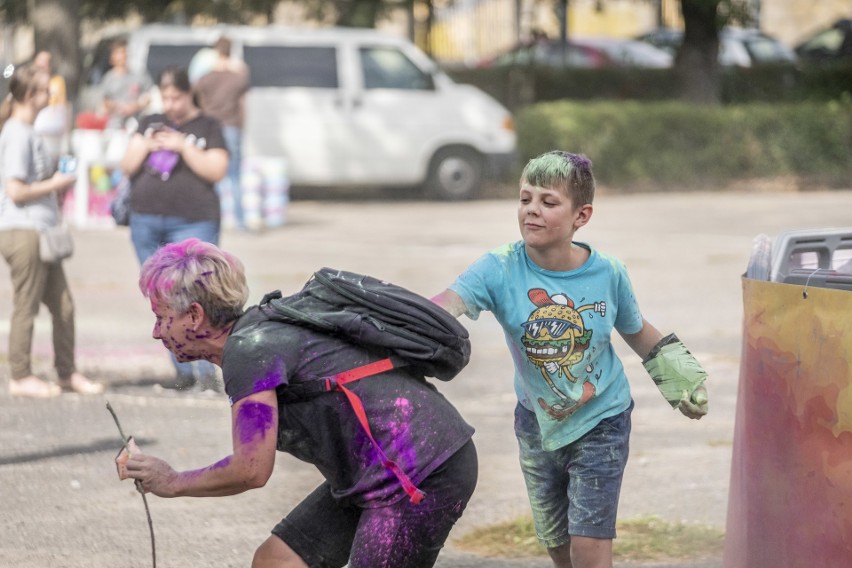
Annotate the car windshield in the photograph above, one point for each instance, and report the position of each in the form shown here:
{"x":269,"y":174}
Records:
{"x":829,"y":40}
{"x":766,"y":50}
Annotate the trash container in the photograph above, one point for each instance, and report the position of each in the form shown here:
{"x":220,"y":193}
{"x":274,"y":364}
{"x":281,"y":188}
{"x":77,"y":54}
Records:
{"x":790,"y":500}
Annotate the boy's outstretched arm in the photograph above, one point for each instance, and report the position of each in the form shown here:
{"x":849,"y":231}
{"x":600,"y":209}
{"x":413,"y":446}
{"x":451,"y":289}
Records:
{"x":451,"y":302}
{"x":692,"y":404}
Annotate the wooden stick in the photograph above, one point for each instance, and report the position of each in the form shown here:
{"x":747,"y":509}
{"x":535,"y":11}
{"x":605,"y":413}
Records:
{"x":124,"y":441}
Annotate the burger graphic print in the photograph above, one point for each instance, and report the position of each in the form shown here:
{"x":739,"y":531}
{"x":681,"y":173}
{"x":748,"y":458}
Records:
{"x":555,"y":340}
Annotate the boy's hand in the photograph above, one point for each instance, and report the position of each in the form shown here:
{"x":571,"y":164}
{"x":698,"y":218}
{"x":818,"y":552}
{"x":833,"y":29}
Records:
{"x":695,"y":406}
{"x":679,"y":376}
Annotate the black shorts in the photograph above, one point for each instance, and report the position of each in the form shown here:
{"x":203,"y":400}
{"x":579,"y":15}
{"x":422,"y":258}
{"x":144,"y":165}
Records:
{"x":326,"y":534}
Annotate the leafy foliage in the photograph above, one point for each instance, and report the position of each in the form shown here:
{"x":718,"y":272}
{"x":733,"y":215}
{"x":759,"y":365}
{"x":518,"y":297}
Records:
{"x":674,"y":144}
{"x":228,"y":11}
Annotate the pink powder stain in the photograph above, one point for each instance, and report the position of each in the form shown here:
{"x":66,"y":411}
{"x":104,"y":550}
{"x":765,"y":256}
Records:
{"x":254,"y":420}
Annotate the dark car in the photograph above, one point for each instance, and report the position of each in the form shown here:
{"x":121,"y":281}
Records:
{"x":831,"y":44}
{"x":579,"y":52}
{"x":739,"y":47}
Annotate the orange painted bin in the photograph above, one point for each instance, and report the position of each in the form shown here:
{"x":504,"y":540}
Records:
{"x":790,"y":501}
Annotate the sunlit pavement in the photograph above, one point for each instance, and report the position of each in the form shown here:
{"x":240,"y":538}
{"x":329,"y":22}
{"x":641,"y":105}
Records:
{"x":62,"y":504}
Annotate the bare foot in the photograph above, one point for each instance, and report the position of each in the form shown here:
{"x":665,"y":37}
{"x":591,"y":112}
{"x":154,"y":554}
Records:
{"x":33,"y":387}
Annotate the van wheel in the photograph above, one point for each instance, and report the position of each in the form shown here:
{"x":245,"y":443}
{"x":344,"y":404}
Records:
{"x":455,"y":174}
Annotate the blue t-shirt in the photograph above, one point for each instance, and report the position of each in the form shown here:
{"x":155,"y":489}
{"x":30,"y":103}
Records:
{"x":558,"y":327}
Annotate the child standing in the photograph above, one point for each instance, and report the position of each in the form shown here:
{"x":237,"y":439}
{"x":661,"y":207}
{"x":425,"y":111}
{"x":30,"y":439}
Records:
{"x":558,"y":301}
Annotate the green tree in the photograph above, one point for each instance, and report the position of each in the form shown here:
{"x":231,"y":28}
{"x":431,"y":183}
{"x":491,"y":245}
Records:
{"x":56,"y":23}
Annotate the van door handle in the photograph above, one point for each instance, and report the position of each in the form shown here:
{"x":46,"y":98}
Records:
{"x":357,"y":102}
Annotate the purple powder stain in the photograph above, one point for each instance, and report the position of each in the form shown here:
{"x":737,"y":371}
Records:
{"x":224,"y":462}
{"x":253,"y":420}
{"x":272,"y":379}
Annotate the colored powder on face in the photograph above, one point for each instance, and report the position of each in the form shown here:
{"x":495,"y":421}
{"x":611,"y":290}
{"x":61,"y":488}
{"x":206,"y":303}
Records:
{"x":253,"y":420}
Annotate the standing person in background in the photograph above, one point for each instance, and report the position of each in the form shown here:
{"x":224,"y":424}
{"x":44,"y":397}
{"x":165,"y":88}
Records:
{"x":53,"y":122}
{"x":221,"y":95}
{"x":28,"y":203}
{"x":173,"y":162}
{"x":125,"y":93}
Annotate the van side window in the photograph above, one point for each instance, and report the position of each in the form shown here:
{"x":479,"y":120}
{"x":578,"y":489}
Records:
{"x":389,"y":68}
{"x":292,"y":66}
{"x":161,"y":56}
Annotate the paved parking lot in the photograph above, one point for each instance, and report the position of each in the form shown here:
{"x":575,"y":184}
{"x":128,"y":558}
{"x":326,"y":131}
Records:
{"x":61,"y":504}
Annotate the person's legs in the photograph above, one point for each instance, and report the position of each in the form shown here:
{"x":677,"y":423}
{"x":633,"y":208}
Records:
{"x":274,"y":553}
{"x":57,"y":298}
{"x":408,"y":535}
{"x":147,"y":233}
{"x":319,"y":531}
{"x":200,"y":373}
{"x":178,"y":230}
{"x":19,"y":248}
{"x":233,"y":142}
{"x":547,"y":485}
{"x":577,"y":530}
{"x":150,"y":232}
{"x":325,"y":534}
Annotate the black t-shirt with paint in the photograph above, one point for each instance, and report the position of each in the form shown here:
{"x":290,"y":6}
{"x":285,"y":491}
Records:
{"x":165,"y":185}
{"x":412,"y":422}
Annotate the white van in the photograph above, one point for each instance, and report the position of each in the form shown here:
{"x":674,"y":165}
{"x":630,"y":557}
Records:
{"x":346,"y":107}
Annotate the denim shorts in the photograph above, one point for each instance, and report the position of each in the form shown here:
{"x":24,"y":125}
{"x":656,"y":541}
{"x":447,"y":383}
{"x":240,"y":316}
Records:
{"x":326,"y":534}
{"x":574,"y":490}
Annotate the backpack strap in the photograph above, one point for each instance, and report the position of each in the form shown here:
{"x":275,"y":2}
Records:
{"x":339,"y":382}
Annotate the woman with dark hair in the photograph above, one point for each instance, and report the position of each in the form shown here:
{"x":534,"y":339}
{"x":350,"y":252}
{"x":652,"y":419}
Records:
{"x":174,"y":161}
{"x":29,"y":186}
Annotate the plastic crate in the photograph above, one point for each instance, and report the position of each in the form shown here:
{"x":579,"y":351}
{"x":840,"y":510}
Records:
{"x":819,"y":258}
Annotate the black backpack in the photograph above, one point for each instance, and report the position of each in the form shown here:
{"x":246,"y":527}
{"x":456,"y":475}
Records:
{"x":415,"y":332}
{"x":376,"y":314}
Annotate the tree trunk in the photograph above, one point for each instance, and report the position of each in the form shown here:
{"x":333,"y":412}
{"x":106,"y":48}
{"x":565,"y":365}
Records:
{"x":56,"y":27}
{"x":697,"y":62}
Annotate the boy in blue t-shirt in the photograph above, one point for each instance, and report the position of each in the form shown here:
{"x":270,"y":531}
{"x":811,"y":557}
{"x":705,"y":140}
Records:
{"x":558,"y":302}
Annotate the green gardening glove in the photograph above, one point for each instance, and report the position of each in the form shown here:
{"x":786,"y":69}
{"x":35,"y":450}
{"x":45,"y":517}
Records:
{"x":676,"y":373}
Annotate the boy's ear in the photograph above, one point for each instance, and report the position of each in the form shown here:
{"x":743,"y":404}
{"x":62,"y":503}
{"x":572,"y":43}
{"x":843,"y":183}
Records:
{"x":584,"y":213}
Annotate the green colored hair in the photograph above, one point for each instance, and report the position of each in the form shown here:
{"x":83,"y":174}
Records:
{"x":563,"y":170}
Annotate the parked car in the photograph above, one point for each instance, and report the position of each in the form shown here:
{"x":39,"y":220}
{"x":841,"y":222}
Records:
{"x":830,"y":44}
{"x":737,"y":46}
{"x":628,"y":52}
{"x":583,"y":52}
{"x":345,"y":107}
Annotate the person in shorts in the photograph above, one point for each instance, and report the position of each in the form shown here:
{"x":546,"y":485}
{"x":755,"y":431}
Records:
{"x":365,"y":514}
{"x":558,"y":301}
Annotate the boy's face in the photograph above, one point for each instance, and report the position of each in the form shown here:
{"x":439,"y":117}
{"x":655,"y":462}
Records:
{"x":547,"y":217}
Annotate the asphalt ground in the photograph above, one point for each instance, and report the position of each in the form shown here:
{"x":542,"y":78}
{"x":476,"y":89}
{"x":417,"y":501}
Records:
{"x":61,"y":504}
